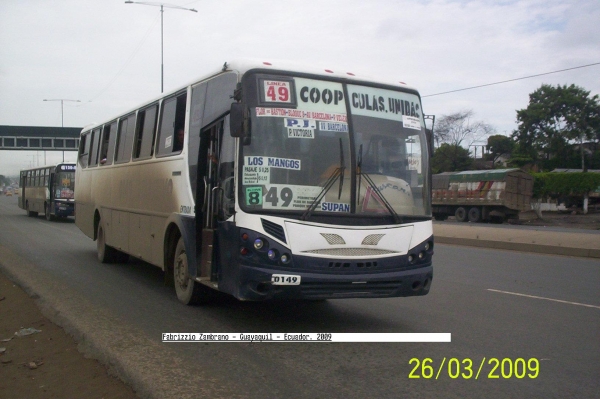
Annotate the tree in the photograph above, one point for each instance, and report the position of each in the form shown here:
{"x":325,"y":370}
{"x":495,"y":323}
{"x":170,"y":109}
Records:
{"x":4,"y":180}
{"x":460,"y":129}
{"x":555,"y":118}
{"x":450,"y":158}
{"x":499,"y":145}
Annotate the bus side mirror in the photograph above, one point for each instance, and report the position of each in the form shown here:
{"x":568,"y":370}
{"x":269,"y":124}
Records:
{"x":238,"y":122}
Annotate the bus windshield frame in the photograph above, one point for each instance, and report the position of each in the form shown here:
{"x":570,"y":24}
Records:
{"x":63,"y":185}
{"x":332,"y":147}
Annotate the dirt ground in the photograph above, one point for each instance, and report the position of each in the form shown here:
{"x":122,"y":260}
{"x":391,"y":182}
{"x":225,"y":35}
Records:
{"x":47,"y":364}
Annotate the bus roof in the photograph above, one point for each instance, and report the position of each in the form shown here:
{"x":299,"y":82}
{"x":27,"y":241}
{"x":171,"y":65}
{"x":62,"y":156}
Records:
{"x":55,"y":165}
{"x":245,"y":65}
{"x":242,"y":66}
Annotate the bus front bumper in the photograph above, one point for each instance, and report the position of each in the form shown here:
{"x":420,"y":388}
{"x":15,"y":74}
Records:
{"x":256,"y":284}
{"x":64,"y":210}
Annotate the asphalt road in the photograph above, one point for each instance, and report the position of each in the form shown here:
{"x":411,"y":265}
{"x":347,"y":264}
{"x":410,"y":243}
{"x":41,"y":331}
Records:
{"x":120,"y":311}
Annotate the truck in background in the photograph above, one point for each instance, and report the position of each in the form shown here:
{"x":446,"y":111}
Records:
{"x":481,"y":195}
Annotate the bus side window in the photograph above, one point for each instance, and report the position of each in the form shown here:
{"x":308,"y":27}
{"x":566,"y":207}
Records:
{"x":84,"y":148}
{"x":172,"y":126}
{"x":146,"y":129}
{"x":94,"y":148}
{"x":104,"y":145}
{"x":125,"y":139}
{"x":108,"y":144}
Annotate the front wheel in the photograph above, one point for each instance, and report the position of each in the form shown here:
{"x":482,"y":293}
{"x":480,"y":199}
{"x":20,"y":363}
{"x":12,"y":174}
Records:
{"x":189,"y":291}
{"x":49,"y":216}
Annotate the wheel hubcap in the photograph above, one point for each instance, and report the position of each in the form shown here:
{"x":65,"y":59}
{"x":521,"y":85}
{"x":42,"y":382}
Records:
{"x":181,"y":271}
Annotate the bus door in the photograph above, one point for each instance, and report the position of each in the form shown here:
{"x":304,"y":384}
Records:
{"x":207,"y":187}
{"x":51,"y":186}
{"x":216,"y":175}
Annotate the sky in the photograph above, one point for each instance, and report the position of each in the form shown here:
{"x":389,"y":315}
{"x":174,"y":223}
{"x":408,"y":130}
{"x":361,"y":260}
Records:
{"x":107,"y":54}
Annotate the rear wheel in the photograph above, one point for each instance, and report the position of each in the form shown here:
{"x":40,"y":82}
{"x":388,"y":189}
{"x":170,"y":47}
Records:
{"x":460,"y":214}
{"x":189,"y":291}
{"x":49,"y":216}
{"x":106,"y":254}
{"x":474,"y":215}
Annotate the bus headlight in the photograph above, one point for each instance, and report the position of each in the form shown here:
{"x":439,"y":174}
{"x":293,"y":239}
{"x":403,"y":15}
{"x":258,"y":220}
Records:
{"x":285,"y":258}
{"x":272,"y":254}
{"x":259,"y":243}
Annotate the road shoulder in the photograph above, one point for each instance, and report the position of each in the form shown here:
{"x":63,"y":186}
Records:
{"x":44,"y":362}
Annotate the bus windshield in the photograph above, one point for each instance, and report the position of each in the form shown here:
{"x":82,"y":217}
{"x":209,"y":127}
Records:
{"x":310,"y":147}
{"x":64,"y":185}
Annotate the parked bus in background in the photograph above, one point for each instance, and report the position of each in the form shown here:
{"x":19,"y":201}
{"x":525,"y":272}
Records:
{"x":288,"y":183}
{"x":48,"y":190}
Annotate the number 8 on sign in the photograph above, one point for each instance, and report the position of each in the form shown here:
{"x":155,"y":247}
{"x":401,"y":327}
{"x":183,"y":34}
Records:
{"x":277,"y":91}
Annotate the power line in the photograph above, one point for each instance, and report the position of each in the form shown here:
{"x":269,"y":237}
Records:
{"x":132,"y":54}
{"x":511,"y":80}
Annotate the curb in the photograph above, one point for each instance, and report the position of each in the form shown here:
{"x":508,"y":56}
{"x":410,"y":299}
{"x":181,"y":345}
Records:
{"x":516,"y":246}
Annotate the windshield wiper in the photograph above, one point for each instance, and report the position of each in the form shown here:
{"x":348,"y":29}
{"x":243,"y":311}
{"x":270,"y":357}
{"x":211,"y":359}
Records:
{"x":338,"y":172}
{"x":385,"y":202}
{"x":342,"y":168}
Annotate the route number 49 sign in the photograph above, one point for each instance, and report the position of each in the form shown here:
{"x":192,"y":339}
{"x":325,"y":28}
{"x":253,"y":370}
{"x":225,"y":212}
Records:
{"x":277,"y":91}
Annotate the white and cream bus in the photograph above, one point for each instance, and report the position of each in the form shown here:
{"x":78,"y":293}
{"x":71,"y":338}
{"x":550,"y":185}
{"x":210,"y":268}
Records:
{"x":288,"y":183}
{"x":49,"y":190}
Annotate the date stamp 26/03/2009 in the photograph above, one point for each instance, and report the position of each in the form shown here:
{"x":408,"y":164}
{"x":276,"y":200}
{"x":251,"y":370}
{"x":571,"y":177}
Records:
{"x":490,"y":368}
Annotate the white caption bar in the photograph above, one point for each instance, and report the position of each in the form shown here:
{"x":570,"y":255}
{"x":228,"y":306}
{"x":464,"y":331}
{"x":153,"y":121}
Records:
{"x":306,"y":337}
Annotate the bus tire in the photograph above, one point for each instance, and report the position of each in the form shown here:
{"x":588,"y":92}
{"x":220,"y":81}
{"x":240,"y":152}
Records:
{"x":474,"y":215}
{"x":106,"y":254}
{"x":460,"y":214}
{"x":49,"y":216}
{"x":189,"y":291}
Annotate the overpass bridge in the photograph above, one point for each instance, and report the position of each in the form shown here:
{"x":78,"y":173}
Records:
{"x":39,"y":138}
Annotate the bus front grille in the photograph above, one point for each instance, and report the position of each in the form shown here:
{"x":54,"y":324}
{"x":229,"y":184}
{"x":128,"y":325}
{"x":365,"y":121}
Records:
{"x":371,"y":289}
{"x":351,"y":252}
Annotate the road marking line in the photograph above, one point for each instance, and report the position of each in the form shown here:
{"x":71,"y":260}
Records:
{"x":548,"y":299}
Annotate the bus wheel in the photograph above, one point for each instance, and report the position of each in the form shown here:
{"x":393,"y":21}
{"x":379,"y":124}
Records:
{"x":189,"y":292}
{"x":460,"y":214}
{"x":474,"y":215}
{"x":49,"y":216}
{"x":106,"y":254}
